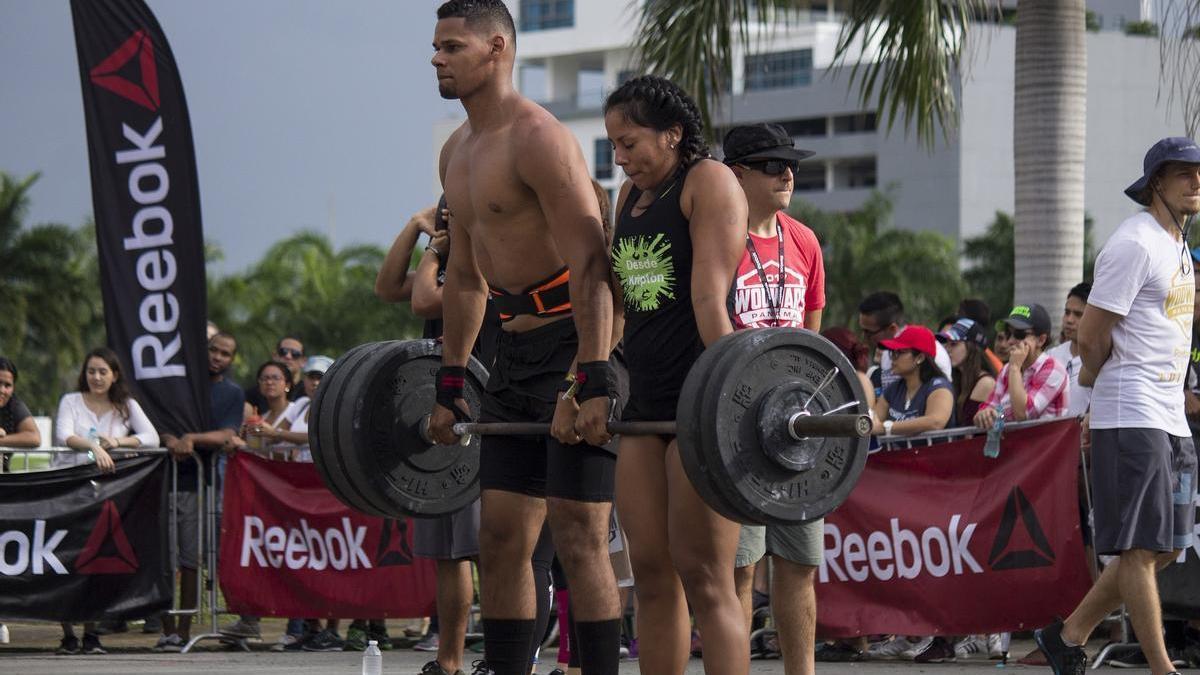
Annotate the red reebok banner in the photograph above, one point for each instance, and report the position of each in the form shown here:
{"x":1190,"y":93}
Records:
{"x":146,"y":198}
{"x":290,"y":548}
{"x":942,"y":540}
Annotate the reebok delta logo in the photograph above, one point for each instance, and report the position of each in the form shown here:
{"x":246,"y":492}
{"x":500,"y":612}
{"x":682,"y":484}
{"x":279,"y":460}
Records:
{"x":1036,"y":551}
{"x":393,"y":549}
{"x":107,"y":550}
{"x":108,"y":73}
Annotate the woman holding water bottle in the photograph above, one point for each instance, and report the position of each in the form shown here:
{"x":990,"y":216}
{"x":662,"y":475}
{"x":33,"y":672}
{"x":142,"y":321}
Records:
{"x":1032,"y":384}
{"x":98,"y":417}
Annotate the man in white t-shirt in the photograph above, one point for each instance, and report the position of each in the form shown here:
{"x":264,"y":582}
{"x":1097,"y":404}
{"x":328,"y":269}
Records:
{"x":1134,"y":341}
{"x":1067,"y":352}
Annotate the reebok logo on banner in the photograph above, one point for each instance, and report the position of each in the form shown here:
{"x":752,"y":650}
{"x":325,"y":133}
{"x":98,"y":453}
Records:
{"x":393,"y":545}
{"x":108,"y":73}
{"x":108,"y":529}
{"x":1034,"y":549}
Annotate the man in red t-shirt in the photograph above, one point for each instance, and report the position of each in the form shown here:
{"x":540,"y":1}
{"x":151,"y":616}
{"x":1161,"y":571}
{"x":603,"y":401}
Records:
{"x":780,"y":282}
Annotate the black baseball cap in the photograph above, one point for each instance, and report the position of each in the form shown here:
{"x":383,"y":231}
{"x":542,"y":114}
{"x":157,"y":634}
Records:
{"x":1029,"y":317}
{"x":751,"y":142}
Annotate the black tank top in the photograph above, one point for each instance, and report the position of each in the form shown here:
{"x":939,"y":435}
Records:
{"x":652,"y":258}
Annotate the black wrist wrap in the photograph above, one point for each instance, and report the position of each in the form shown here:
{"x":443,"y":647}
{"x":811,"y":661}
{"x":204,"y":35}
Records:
{"x":449,"y":383}
{"x":595,"y":379}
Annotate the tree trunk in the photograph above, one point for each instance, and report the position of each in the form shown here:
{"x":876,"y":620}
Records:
{"x":1050,"y":121}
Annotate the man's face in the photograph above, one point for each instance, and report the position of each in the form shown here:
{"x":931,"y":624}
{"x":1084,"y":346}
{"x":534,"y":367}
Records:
{"x":764,"y":191}
{"x":1179,"y":188}
{"x":1072,"y":313}
{"x":291,"y":353}
{"x":221,"y":350}
{"x":872,"y":331}
{"x":462,"y":58}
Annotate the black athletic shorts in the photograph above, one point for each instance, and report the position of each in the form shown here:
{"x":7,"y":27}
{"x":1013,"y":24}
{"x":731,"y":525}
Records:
{"x":523,"y":387}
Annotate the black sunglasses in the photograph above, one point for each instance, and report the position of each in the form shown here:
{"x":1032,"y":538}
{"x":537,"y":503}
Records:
{"x":287,"y":351}
{"x":773,"y":167}
{"x":1018,"y":333}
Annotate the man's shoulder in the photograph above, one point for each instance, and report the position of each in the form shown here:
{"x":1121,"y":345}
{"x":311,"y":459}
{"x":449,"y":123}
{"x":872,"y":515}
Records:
{"x":533,"y":124}
{"x":1133,"y":230}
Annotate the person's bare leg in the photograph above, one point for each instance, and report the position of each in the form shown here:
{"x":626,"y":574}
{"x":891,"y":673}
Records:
{"x":743,"y":583}
{"x":509,"y":525}
{"x":580,"y":531}
{"x":1139,"y":589}
{"x":663,"y":628}
{"x":703,"y":546}
{"x":794,"y":605}
{"x":1101,"y":599}
{"x":454,"y":591}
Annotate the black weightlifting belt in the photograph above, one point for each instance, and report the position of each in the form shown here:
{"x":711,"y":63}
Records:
{"x":549,"y":297}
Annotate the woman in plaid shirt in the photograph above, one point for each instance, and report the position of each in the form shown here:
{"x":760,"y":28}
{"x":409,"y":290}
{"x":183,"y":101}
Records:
{"x":1033,"y":384}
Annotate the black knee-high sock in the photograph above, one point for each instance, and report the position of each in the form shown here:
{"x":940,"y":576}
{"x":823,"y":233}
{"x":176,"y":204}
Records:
{"x":599,"y":646}
{"x":506,"y":645}
{"x":573,"y":657}
{"x":543,"y":589}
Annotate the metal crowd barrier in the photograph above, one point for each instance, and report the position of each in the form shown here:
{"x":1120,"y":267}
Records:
{"x":173,"y":521}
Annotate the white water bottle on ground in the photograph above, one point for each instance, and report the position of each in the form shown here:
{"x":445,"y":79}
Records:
{"x":372,"y":659}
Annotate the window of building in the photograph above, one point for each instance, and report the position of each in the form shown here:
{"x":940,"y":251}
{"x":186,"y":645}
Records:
{"x":811,"y":126}
{"x":854,"y":124}
{"x":810,"y":177}
{"x":778,"y":69}
{"x":533,"y":82}
{"x":850,"y":174}
{"x":603,"y":158}
{"x":546,"y":14}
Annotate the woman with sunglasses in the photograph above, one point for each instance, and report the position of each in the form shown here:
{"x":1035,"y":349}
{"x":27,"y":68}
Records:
{"x":922,"y":399}
{"x":1032,"y":384}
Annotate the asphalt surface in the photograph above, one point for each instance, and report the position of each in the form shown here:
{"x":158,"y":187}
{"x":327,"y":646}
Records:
{"x":30,"y":652}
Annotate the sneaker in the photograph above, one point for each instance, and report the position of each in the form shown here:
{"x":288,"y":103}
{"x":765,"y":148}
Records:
{"x":481,"y":668}
{"x":377,"y":631}
{"x":837,"y":652}
{"x":356,"y":639}
{"x":969,"y":647}
{"x":633,"y":649}
{"x":429,"y":644}
{"x":296,"y":644}
{"x":91,"y":644}
{"x":938,"y":651}
{"x":3,"y":634}
{"x":68,"y":646}
{"x":916,"y":648}
{"x":995,"y":646}
{"x":325,"y":641}
{"x":242,"y":629}
{"x":169,"y":643}
{"x":1063,"y":659}
{"x":1179,"y":657}
{"x":284,"y":641}
{"x":435,"y":668}
{"x":888,"y":649}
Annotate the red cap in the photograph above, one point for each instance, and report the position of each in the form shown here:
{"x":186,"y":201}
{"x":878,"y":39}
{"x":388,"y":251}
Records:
{"x":915,"y":337}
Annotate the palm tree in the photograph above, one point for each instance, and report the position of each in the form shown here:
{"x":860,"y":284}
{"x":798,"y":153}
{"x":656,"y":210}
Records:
{"x":920,"y":44}
{"x":49,"y":300}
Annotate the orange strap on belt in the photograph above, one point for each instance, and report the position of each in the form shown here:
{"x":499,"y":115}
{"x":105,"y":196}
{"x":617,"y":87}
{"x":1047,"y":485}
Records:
{"x":550,"y":297}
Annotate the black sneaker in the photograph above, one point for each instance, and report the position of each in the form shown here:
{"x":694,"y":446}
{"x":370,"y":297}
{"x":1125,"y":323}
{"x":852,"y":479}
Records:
{"x":68,"y":646}
{"x":938,"y":651}
{"x":481,"y":668}
{"x":91,"y":644}
{"x":435,"y":668}
{"x":837,"y":652}
{"x":325,"y":641}
{"x":1064,"y":660}
{"x":1179,"y":657}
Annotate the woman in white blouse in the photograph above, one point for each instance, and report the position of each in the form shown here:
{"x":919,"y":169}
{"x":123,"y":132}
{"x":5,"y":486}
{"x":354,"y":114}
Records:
{"x":98,"y":417}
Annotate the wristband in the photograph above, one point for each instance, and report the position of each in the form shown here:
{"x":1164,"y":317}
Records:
{"x":887,"y":427}
{"x":449,"y":383}
{"x":594,"y":380}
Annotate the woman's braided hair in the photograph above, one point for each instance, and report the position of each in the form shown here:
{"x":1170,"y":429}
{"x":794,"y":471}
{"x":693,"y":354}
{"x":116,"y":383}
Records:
{"x":658,"y":103}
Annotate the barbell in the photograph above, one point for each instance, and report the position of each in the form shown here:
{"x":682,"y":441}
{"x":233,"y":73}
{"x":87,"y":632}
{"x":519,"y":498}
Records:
{"x":771,"y":424}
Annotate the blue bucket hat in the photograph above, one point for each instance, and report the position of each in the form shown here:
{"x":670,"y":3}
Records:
{"x":1173,"y":149}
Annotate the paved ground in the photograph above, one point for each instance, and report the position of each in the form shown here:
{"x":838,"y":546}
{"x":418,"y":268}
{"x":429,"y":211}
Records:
{"x":31,"y":652}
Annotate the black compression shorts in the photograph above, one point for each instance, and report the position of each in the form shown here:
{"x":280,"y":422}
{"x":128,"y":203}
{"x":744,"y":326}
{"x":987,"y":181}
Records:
{"x":523,"y":387}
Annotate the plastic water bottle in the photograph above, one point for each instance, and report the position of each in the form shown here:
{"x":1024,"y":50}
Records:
{"x":372,"y":659}
{"x":992,"y":447}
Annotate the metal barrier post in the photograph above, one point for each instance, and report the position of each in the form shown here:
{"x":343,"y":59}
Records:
{"x":210,"y":559}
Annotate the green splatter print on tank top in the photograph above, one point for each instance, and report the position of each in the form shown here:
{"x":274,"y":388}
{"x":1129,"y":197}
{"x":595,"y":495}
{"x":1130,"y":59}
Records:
{"x":646,"y":271}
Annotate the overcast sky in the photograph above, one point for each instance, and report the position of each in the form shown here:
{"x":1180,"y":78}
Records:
{"x":305,"y":114}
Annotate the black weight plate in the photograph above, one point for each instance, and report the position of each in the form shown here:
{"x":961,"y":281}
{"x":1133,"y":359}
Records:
{"x":387,"y":399}
{"x":689,"y":434}
{"x":754,"y":485}
{"x":324,"y":423}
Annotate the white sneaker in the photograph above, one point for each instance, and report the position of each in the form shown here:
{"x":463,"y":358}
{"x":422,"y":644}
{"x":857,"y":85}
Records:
{"x":888,"y":649}
{"x":997,"y":645}
{"x":284,"y":641}
{"x":969,"y":647}
{"x":916,"y":648}
{"x":3,"y":634}
{"x":169,"y":643}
